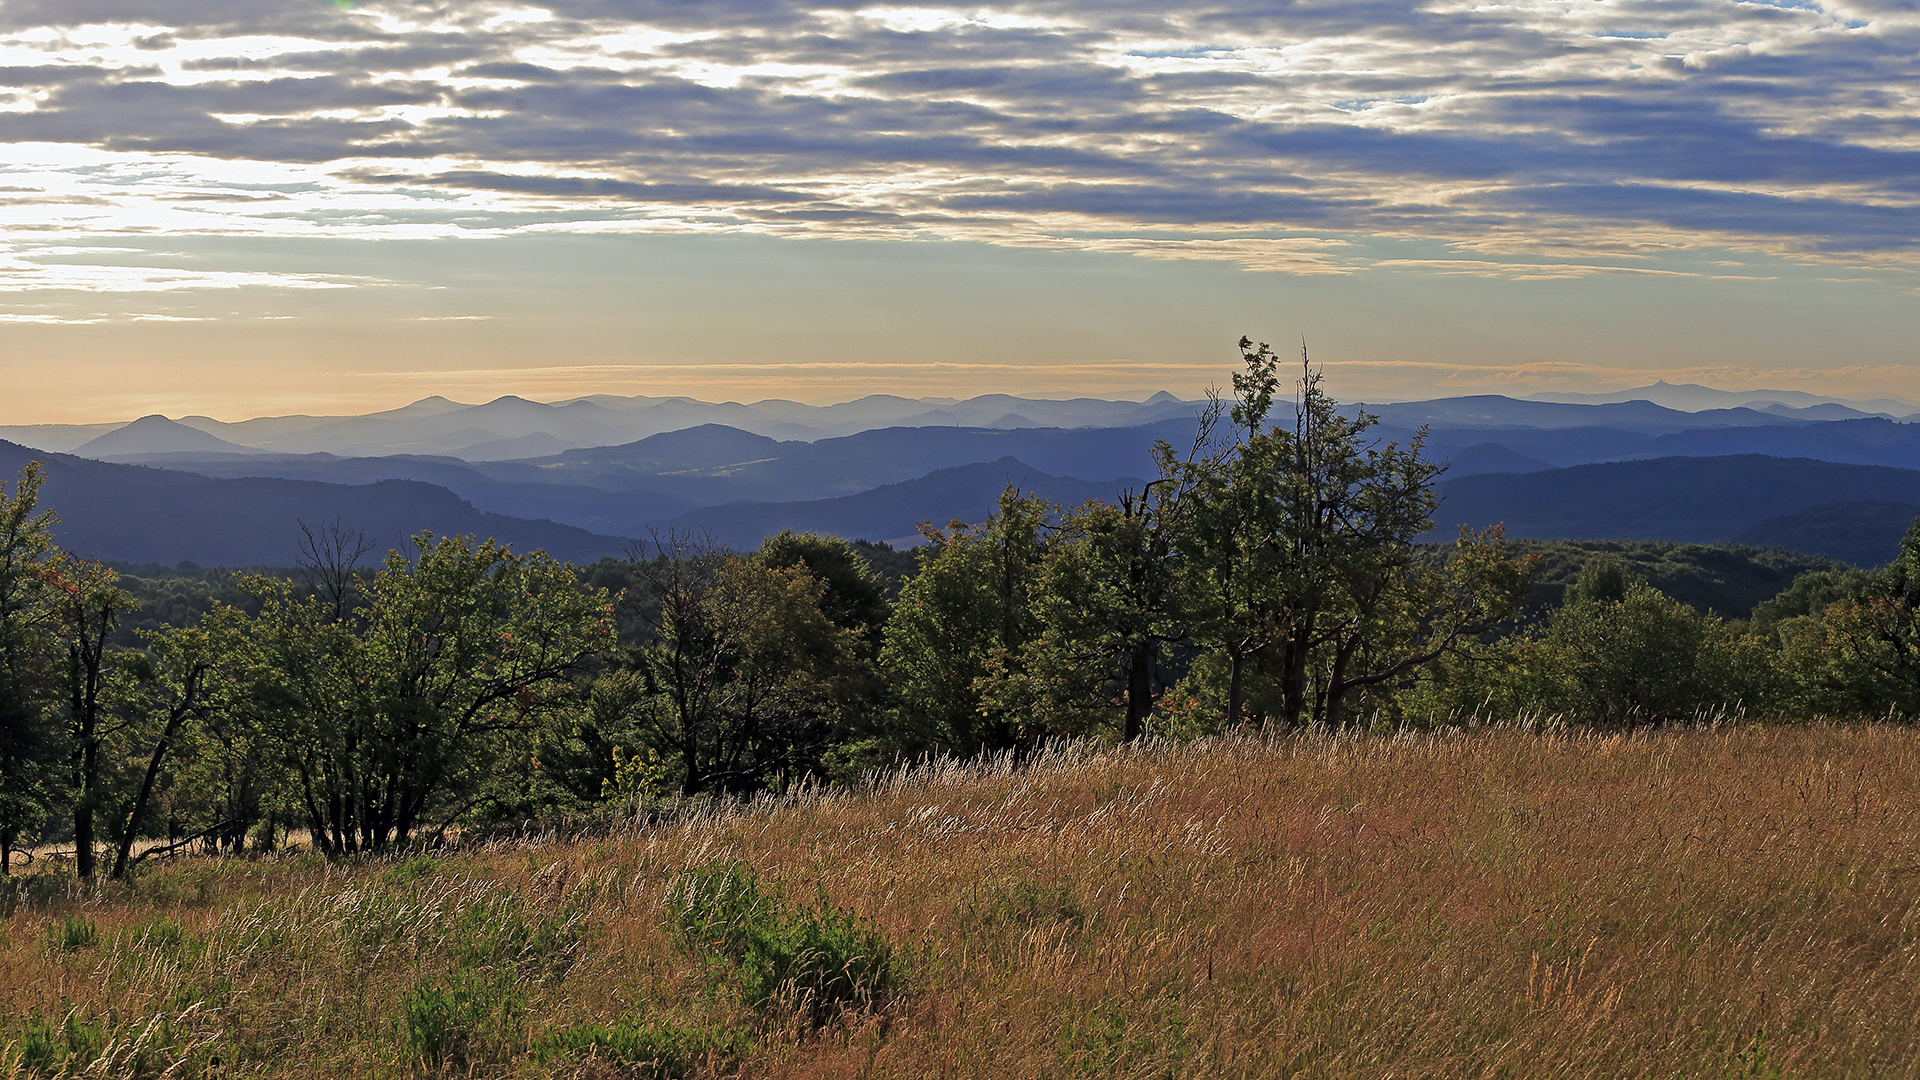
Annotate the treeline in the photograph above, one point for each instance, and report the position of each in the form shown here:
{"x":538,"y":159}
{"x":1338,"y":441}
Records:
{"x":1268,"y":576}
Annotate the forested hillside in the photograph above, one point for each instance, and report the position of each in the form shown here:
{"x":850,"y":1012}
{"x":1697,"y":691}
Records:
{"x":1689,"y":500}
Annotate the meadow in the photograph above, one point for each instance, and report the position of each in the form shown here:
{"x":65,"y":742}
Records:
{"x":1741,"y":902}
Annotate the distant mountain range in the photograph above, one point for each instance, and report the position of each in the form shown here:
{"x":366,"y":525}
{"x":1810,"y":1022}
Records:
{"x":1819,"y":476}
{"x":1693,"y":397}
{"x":143,"y":515}
{"x":964,"y":493}
{"x":1748,"y":497}
{"x":513,"y":427}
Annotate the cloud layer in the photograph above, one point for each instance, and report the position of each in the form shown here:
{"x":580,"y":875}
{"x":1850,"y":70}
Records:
{"x":1536,"y":136}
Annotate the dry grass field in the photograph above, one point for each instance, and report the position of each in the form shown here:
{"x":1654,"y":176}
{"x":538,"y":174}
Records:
{"x":1732,"y":903}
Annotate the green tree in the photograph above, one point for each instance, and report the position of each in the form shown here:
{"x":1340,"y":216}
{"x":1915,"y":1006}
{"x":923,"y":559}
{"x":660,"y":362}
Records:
{"x":30,"y":747}
{"x":1301,"y":554}
{"x":745,"y":676}
{"x":89,"y":604}
{"x":961,"y":630}
{"x":1115,"y":597}
{"x":1603,"y":579}
{"x":1647,"y":658}
{"x":852,"y":596}
{"x":412,"y":707}
{"x":1399,"y":617}
{"x":178,"y":681}
{"x":1860,"y":652}
{"x":1107,"y":603}
{"x":1644,"y":658}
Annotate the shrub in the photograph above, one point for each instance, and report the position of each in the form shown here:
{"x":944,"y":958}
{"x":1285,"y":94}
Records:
{"x":72,"y":933}
{"x":164,"y":939}
{"x":817,"y":960}
{"x":1026,"y":904}
{"x":464,"y":1018}
{"x":47,"y":1050}
{"x":409,"y":870}
{"x":474,"y":924}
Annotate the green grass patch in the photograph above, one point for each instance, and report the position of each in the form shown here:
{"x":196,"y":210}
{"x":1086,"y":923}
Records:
{"x":817,"y":960}
{"x":63,"y":1049}
{"x":72,"y":934}
{"x":650,"y":1049}
{"x":464,"y":1019}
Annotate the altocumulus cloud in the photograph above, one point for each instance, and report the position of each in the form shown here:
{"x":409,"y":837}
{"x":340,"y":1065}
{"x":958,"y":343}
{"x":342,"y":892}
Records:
{"x":1276,"y":135}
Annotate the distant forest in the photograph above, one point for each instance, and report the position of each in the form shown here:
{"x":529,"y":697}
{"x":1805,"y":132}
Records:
{"x":1271,"y":575}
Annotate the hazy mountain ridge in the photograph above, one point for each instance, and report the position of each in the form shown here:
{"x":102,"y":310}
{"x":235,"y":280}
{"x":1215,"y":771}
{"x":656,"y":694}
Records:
{"x":1686,"y":499}
{"x":1516,"y":460}
{"x":1693,"y":396}
{"x":148,"y":515}
{"x":155,"y":434}
{"x":1495,"y":411}
{"x":890,"y":513}
{"x":491,"y":430}
{"x":1862,"y":533}
{"x":624,"y":489}
{"x":512,"y":427}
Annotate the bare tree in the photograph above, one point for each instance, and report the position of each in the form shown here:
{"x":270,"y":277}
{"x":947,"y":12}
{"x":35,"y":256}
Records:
{"x":329,"y":561}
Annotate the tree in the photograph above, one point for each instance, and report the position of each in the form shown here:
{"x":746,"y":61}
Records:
{"x":1107,"y":601}
{"x":1231,"y":560}
{"x":89,"y":603}
{"x":1602,"y":579}
{"x":29,"y":738}
{"x":1302,"y":553}
{"x":403,"y":711}
{"x":852,"y":595}
{"x":1647,"y":658}
{"x":1857,"y":650}
{"x":746,"y":675}
{"x":961,"y":630}
{"x":177,"y":680}
{"x":1114,"y":595}
{"x":1644,"y":658}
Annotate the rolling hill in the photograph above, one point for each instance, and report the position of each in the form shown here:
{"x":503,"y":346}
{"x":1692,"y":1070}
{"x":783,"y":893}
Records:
{"x":146,"y":515}
{"x":1697,"y":499}
{"x":889,"y":513}
{"x":1866,"y":534}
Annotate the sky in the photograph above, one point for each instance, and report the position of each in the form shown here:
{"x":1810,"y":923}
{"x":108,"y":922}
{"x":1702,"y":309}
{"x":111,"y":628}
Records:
{"x":248,"y":207}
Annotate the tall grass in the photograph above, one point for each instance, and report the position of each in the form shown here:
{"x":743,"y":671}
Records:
{"x":1707,"y":903}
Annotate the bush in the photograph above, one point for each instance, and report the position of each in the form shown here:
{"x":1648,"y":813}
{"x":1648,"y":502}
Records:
{"x":816,"y":960}
{"x":503,"y":929}
{"x":46,"y":1050}
{"x":167,"y":941}
{"x":72,"y":933}
{"x":1644,"y":658}
{"x":1026,"y":904}
{"x":465,"y":1018}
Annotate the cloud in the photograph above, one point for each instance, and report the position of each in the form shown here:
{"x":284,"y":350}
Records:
{"x":1527,"y":127}
{"x":65,"y":268}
